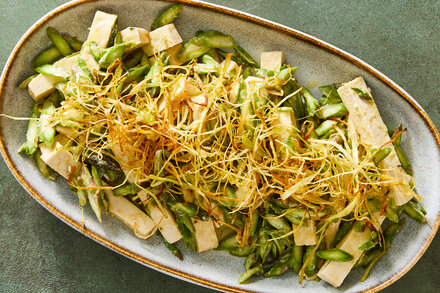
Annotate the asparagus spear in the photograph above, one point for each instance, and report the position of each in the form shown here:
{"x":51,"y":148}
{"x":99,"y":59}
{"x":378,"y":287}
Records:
{"x":31,"y":144}
{"x":58,"y":41}
{"x":413,"y":212}
{"x":167,"y":17}
{"x":334,"y":254}
{"x":297,"y":258}
{"x":126,"y":190}
{"x":47,"y":57}
{"x":174,"y":250}
{"x":249,"y":273}
{"x":310,"y":260}
{"x":73,"y":43}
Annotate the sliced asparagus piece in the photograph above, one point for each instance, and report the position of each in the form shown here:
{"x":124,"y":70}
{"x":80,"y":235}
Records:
{"x":334,"y":254}
{"x":47,"y":57}
{"x":58,"y":41}
{"x":167,"y":17}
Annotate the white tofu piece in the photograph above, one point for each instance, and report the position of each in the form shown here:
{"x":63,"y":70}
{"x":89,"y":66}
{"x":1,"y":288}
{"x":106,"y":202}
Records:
{"x":123,"y":210}
{"x":373,"y":133}
{"x":67,"y":131}
{"x":87,"y":57}
{"x":272,"y":60}
{"x":182,"y":90}
{"x":205,"y":234}
{"x":101,"y":29}
{"x":161,"y":39}
{"x":305,"y":235}
{"x":330,"y":234}
{"x":284,"y":128}
{"x":68,"y":63}
{"x":59,"y":159}
{"x":43,"y":85}
{"x":165,"y":223}
{"x":139,"y":36}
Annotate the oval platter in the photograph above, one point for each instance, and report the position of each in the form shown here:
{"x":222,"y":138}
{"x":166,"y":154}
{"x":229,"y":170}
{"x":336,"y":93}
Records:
{"x":316,"y":61}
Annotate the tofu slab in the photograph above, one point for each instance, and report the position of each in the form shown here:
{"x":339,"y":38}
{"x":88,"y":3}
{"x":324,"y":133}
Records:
{"x":59,"y":159}
{"x":43,"y":85}
{"x":272,"y":60}
{"x":284,"y":125}
{"x":123,"y":210}
{"x":165,"y":223}
{"x":161,"y":39}
{"x":373,"y":133}
{"x":101,"y":29}
{"x":68,"y":63}
{"x":331,"y":232}
{"x":87,"y":57}
{"x":306,"y":235}
{"x":139,"y":36}
{"x":206,"y":237}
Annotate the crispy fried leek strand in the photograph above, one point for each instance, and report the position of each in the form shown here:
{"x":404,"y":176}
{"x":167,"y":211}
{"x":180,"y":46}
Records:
{"x":209,"y":144}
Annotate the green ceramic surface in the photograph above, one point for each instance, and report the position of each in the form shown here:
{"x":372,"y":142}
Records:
{"x":39,"y":253}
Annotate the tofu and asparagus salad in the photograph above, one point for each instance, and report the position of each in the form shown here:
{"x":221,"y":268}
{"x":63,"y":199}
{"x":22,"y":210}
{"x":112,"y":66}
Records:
{"x":199,"y":142}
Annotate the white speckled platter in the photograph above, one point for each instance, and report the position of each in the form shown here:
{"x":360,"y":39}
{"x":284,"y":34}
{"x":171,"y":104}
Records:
{"x":316,"y":60}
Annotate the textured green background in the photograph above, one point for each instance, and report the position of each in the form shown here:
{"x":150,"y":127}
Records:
{"x":40,"y":253}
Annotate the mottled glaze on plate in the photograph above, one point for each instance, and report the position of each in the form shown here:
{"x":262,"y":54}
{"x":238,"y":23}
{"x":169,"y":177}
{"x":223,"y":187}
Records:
{"x":316,"y":60}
